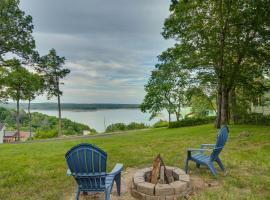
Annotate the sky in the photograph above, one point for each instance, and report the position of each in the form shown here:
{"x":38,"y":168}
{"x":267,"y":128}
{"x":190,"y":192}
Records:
{"x":110,"y":46}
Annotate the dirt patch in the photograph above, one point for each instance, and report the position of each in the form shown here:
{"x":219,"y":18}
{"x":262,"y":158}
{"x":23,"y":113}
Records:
{"x":244,"y":134}
{"x":198,"y":185}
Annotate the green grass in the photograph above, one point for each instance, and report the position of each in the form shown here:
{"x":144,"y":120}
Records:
{"x":37,"y":170}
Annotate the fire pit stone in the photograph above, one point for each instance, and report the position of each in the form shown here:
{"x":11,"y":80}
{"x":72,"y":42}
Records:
{"x":144,"y":190}
{"x":164,"y":189}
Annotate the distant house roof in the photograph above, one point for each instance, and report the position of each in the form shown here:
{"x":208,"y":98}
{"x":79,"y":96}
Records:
{"x":1,"y":126}
{"x":14,"y":134}
{"x":10,"y":133}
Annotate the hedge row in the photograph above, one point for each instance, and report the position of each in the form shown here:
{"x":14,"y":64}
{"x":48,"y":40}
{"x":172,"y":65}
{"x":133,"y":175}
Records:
{"x":255,"y":119}
{"x":192,"y":122}
{"x":125,"y":127}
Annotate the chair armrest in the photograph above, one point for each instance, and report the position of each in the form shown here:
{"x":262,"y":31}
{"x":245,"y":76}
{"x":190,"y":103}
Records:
{"x":116,"y":170}
{"x":191,"y":149}
{"x":111,"y":176}
{"x":68,"y":172}
{"x":208,"y":145}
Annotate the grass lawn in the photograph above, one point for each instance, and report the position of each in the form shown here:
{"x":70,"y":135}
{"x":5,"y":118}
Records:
{"x":37,"y":170}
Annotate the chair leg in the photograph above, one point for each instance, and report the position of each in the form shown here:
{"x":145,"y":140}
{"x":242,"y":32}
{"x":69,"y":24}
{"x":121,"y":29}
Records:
{"x":212,"y":169}
{"x":220,"y":164}
{"x":77,"y":194}
{"x":108,"y":193}
{"x":187,"y":166}
{"x":118,"y":183}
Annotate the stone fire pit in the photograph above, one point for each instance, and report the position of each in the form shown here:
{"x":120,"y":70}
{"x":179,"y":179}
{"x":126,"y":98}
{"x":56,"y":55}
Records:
{"x":144,"y":190}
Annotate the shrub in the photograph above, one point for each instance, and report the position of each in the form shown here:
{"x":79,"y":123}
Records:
{"x":254,"y":118}
{"x":161,"y":123}
{"x":124,"y":127}
{"x":134,"y":126}
{"x":192,"y":122}
{"x":116,"y":127}
{"x":46,"y":134}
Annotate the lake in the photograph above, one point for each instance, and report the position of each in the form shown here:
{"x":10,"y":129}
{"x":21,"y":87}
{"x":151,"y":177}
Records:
{"x":99,"y":119}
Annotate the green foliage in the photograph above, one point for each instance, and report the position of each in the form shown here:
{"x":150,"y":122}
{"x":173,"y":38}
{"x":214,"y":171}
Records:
{"x":134,"y":126}
{"x":52,"y":66}
{"x":160,"y":124}
{"x":7,"y":116}
{"x":16,"y":30}
{"x":41,"y":123}
{"x":15,"y":40}
{"x":16,"y":81}
{"x":222,"y":43}
{"x":201,"y":100}
{"x":166,"y":89}
{"x":35,"y":86}
{"x":192,"y":121}
{"x":200,"y":106}
{"x":254,"y":118}
{"x":45,"y":134}
{"x":116,"y":127}
{"x":123,"y":127}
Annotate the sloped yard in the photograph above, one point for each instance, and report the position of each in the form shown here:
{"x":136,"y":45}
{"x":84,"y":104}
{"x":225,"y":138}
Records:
{"x":37,"y":170}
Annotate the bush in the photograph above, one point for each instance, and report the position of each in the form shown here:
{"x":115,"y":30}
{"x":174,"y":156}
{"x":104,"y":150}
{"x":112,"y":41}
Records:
{"x":46,"y":134}
{"x":161,"y":123}
{"x":134,"y":126}
{"x":116,"y":127}
{"x":123,"y":127}
{"x":192,"y":122}
{"x":254,"y":118}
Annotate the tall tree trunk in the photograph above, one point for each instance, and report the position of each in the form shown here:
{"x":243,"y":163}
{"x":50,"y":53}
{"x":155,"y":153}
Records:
{"x":219,"y":103}
{"x":233,"y":109}
{"x":59,"y":112}
{"x":169,"y":116}
{"x":59,"y":116}
{"x":177,"y":114}
{"x":18,"y":120}
{"x":225,"y":106}
{"x":222,"y":100}
{"x":30,"y":119}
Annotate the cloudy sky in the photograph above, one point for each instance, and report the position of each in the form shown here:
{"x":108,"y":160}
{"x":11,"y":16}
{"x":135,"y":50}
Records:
{"x":110,"y":45}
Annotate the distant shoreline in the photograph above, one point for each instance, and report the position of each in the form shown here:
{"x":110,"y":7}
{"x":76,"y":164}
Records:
{"x":80,"y":110}
{"x":72,"y":106}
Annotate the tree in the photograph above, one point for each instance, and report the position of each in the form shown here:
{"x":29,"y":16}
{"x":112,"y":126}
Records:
{"x":52,"y":67}
{"x":166,"y":89}
{"x":35,"y":87}
{"x":223,"y":42}
{"x":16,"y":83}
{"x":154,"y":101}
{"x":15,"y":37}
{"x":16,"y":30}
{"x":202,"y":100}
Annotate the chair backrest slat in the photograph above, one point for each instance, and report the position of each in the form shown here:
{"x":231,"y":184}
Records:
{"x":221,"y":141}
{"x":82,"y":161}
{"x":96,"y":162}
{"x":85,"y":159}
{"x":87,"y":164}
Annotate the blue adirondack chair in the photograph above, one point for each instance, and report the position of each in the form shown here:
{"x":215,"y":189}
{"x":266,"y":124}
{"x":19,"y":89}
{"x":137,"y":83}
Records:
{"x":87,"y":164}
{"x":200,"y":158}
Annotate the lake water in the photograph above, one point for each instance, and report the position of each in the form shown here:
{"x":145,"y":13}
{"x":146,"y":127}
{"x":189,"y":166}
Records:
{"x":99,"y":119}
